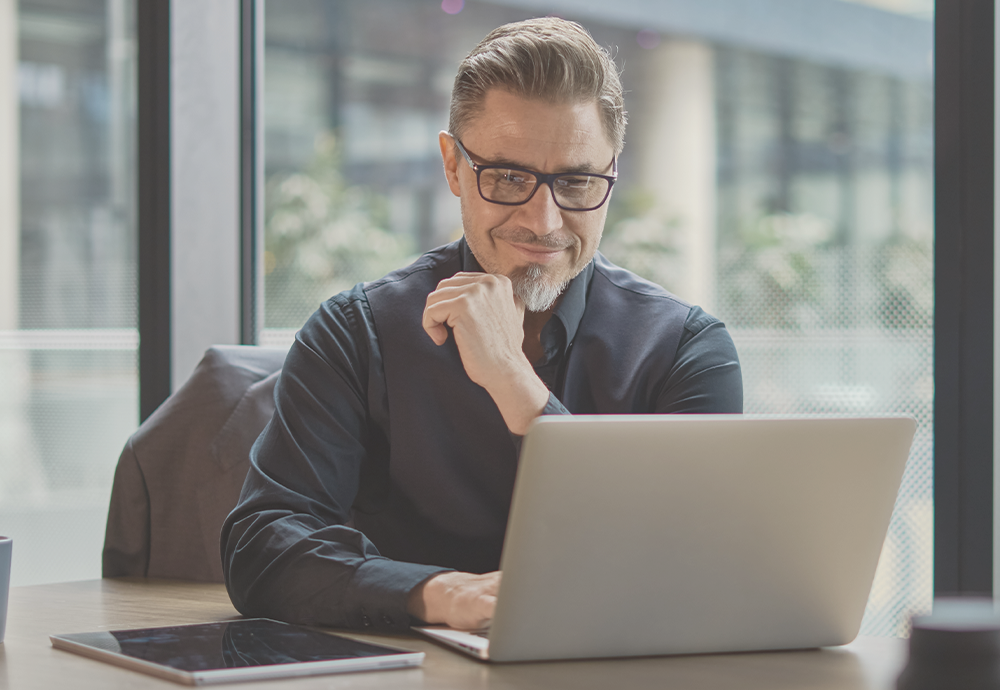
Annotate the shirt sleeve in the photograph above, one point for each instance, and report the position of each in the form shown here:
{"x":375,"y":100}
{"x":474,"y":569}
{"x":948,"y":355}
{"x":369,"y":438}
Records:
{"x":288,"y":549}
{"x":553,"y":406}
{"x":705,"y":377}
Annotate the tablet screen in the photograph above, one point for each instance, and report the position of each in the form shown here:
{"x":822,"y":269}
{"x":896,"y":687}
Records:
{"x":225,"y":645}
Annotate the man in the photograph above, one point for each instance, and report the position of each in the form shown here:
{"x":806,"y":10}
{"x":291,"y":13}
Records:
{"x":380,"y":489}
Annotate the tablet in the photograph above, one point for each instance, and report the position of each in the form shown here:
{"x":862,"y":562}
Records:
{"x":236,"y":650}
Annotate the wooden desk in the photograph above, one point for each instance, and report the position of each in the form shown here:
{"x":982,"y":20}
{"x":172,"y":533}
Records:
{"x":27,"y":660}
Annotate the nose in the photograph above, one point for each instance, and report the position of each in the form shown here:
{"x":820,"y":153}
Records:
{"x":540,"y":214}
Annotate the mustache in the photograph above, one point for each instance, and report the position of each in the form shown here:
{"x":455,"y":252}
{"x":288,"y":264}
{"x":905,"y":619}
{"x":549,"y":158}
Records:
{"x":524,"y":236}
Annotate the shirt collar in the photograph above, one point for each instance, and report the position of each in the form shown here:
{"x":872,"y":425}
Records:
{"x":574,"y":302}
{"x":571,"y":306}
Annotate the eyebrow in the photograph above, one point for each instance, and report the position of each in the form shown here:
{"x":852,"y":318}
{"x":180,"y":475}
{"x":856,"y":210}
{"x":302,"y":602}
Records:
{"x":586,"y":168}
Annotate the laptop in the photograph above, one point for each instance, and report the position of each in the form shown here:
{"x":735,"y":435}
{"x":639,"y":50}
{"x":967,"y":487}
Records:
{"x":688,"y":534}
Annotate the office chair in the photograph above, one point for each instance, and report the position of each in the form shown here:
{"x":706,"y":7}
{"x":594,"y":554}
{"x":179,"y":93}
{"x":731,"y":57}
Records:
{"x":181,"y":472}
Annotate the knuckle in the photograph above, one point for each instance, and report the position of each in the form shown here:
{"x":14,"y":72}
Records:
{"x":488,"y":281}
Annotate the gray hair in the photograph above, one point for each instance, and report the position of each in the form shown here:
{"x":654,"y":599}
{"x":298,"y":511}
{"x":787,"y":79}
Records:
{"x":550,"y":59}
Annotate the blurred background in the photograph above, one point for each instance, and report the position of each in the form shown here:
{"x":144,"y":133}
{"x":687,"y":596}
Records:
{"x":68,"y":337}
{"x":777,"y":171}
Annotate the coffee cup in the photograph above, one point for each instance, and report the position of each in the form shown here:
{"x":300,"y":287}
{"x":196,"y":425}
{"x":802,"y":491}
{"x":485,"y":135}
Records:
{"x":5,"y":548}
{"x":956,"y":647}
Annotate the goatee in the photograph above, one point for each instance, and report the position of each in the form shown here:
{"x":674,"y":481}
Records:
{"x":534,"y":288}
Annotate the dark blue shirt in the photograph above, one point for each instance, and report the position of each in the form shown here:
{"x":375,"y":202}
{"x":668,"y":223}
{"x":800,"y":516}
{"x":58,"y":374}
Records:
{"x":384,"y":464}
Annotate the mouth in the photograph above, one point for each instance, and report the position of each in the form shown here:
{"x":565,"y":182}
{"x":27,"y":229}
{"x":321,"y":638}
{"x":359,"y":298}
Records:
{"x":538,"y":254}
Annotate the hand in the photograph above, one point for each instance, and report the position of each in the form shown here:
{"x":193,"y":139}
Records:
{"x":487,"y":322}
{"x":458,"y":600}
{"x":486,"y":319}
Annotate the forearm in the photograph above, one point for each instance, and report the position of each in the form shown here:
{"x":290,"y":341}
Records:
{"x":290,"y":566}
{"x":520,"y":396}
{"x":286,"y":548}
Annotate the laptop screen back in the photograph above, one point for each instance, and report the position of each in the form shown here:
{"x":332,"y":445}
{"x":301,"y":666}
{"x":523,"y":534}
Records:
{"x":637,"y":535}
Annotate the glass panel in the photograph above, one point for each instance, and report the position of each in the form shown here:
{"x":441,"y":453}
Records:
{"x":68,"y":338}
{"x":825,"y":267}
{"x":778,"y":172}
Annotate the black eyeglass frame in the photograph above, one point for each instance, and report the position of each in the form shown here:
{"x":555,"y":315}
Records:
{"x":540,"y":179}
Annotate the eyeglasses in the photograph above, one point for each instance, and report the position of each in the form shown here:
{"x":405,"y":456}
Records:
{"x":510,"y":186}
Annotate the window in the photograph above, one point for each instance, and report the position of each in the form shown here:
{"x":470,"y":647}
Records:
{"x":68,"y":339}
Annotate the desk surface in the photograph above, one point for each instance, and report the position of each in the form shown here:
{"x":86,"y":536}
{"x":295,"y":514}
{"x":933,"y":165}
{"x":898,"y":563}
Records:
{"x":27,"y":660}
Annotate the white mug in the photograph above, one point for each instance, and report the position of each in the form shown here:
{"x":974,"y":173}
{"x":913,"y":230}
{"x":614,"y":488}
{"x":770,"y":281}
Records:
{"x":5,"y":548}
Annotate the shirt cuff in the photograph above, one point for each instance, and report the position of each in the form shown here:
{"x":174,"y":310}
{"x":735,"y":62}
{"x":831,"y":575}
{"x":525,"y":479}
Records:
{"x":553,"y":406}
{"x":379,"y":592}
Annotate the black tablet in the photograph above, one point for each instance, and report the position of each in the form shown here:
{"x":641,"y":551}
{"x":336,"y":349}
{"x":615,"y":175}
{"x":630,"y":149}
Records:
{"x":237,"y":650}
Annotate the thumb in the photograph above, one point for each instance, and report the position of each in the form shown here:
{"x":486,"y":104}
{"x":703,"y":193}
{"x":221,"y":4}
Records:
{"x":437,"y":332}
{"x":519,"y":305}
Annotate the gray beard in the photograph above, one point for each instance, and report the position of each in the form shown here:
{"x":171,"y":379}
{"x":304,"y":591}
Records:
{"x":534,"y":288}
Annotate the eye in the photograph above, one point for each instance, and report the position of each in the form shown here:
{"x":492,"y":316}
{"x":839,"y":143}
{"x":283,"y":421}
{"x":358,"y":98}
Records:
{"x":506,"y":178}
{"x":513,"y":177}
{"x":573,"y":182}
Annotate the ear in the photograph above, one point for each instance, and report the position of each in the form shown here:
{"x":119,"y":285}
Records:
{"x":450,"y":160}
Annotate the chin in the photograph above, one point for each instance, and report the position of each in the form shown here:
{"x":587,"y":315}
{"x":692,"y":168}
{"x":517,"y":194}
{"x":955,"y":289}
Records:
{"x":537,"y":287}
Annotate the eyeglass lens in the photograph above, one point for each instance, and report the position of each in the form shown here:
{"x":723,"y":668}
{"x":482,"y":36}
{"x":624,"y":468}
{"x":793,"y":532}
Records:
{"x":572,"y":191}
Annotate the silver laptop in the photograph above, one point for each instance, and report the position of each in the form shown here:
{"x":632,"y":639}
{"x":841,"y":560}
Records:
{"x":681,"y":534}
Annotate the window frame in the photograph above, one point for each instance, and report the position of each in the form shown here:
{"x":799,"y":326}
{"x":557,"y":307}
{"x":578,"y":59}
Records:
{"x":963,"y":297}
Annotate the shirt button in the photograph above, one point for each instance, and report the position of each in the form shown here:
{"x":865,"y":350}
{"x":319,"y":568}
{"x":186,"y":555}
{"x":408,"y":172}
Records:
{"x":365,"y":620}
{"x":387,"y":620}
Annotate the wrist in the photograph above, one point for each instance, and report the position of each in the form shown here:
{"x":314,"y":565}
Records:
{"x":520,"y":396}
{"x":417,"y":601}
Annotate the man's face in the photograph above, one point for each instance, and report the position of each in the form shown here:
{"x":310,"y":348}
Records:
{"x":537,"y":241}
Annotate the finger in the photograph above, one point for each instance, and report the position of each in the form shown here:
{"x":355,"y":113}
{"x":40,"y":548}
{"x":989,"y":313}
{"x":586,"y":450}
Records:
{"x":466,"y":279}
{"x":487,"y":608}
{"x":487,"y":288}
{"x":449,"y":292}
{"x":472,"y":278}
{"x":446,"y":311}
{"x":493,"y":587}
{"x":438,"y":333}
{"x":479,"y":610}
{"x":435,"y":326}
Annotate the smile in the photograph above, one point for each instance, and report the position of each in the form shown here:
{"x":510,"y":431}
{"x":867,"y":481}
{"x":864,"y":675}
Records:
{"x":538,"y":254}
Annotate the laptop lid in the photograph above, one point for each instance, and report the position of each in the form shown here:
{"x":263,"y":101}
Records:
{"x":644,"y":535}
